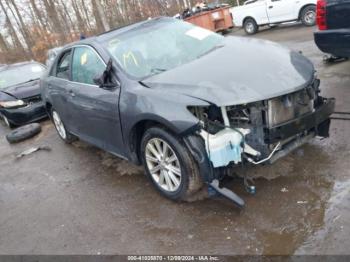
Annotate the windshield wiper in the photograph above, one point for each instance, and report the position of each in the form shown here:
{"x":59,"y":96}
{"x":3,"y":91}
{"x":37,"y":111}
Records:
{"x":210,"y":50}
{"x":30,"y":80}
{"x":154,"y":71}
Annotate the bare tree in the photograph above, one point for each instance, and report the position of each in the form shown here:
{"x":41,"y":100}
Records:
{"x":30,"y":27}
{"x":13,"y":33}
{"x":22,"y":26}
{"x":100,"y":18}
{"x":54,"y":19}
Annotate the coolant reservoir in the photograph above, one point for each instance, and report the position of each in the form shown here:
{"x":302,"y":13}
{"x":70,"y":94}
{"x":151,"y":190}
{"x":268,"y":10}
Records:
{"x":224,"y":147}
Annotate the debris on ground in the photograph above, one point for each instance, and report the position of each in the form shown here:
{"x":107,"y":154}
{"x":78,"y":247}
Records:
{"x":33,"y":150}
{"x":328,"y":59}
{"x":284,"y":190}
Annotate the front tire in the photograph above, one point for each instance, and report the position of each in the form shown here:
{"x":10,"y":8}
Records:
{"x":60,"y":128}
{"x":250,"y":26}
{"x":169,"y":165}
{"x":308,"y":16}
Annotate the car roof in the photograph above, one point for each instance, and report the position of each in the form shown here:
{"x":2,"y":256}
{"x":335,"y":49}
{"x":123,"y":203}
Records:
{"x":116,"y":32}
{"x":55,"y":49}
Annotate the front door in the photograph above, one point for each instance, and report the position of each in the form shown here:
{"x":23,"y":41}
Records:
{"x":95,"y":110}
{"x":58,"y":84}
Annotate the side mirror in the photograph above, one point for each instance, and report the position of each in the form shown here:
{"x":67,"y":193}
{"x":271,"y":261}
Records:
{"x":107,"y":80}
{"x":98,"y":80}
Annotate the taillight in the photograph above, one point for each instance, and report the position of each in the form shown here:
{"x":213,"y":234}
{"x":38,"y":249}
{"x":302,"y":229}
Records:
{"x":321,"y":15}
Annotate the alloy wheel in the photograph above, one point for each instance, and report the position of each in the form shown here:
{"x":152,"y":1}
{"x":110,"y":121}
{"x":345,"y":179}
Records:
{"x":310,"y":17}
{"x":250,"y":27}
{"x":163,"y":165}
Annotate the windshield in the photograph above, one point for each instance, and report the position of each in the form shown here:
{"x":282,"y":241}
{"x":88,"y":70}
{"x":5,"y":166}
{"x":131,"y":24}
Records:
{"x":160,"y":45}
{"x":20,"y":74}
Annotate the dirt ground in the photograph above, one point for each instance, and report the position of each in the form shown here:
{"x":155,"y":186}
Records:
{"x":79,"y":200}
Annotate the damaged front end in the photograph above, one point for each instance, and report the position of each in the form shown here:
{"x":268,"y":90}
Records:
{"x":259,"y":132}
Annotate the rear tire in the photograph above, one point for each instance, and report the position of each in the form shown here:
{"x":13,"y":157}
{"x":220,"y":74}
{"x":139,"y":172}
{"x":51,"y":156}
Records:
{"x":61,"y":129}
{"x":308,"y":16}
{"x":250,"y":26}
{"x":169,"y":165}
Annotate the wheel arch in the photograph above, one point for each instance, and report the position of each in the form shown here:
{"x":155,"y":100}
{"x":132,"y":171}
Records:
{"x":302,"y":9}
{"x":48,"y":107}
{"x":248,"y":17}
{"x":139,"y":128}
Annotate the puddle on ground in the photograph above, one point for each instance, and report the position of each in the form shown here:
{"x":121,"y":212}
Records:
{"x":292,"y":199}
{"x":292,"y":202}
{"x":336,"y":225}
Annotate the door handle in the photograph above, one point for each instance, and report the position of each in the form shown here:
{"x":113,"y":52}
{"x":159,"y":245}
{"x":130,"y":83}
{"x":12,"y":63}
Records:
{"x":271,"y":6}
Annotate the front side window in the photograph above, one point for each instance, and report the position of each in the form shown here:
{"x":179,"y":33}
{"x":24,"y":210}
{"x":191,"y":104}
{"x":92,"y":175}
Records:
{"x":63,"y":66}
{"x":160,"y":45}
{"x":20,"y":74}
{"x":86,"y":65}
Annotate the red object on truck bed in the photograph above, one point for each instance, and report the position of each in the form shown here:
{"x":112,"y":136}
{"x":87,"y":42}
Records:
{"x":215,"y":20}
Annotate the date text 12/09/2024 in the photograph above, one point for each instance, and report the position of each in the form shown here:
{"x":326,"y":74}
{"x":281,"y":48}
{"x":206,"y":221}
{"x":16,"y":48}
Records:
{"x":173,"y":258}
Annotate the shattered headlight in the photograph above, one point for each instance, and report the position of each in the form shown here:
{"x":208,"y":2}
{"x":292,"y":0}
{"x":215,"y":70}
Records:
{"x":12,"y":104}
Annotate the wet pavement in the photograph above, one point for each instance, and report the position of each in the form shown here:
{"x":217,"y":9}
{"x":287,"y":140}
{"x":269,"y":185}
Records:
{"x":79,"y":200}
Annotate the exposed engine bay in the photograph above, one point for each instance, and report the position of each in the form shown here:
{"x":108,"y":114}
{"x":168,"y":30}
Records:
{"x":264,"y":131}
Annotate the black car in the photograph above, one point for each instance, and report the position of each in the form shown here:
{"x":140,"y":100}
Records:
{"x":20,"y":99}
{"x":187,"y":103}
{"x":333,"y":19}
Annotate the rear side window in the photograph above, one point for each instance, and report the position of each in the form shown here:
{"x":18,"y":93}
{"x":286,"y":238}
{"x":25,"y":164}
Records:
{"x":86,"y":65}
{"x":63,"y":65}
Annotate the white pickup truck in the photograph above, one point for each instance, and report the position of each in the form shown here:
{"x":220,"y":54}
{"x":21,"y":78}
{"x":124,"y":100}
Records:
{"x":255,"y":13}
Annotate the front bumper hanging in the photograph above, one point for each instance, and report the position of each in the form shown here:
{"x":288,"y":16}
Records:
{"x":319,"y":120}
{"x":313,"y":124}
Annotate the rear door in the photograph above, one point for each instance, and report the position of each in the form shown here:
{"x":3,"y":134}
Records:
{"x":95,"y":110}
{"x":281,"y":10}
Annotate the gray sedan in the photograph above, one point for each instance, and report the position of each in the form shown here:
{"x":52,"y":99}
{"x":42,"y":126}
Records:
{"x":188,"y":104}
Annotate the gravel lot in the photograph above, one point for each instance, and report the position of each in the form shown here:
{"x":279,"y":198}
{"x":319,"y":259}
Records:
{"x":79,"y":200}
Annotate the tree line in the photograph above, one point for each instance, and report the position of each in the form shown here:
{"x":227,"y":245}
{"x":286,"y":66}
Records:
{"x":28,"y":28}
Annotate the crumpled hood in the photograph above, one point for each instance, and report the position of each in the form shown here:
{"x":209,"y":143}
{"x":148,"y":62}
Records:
{"x":22,"y":91}
{"x":244,"y":70}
